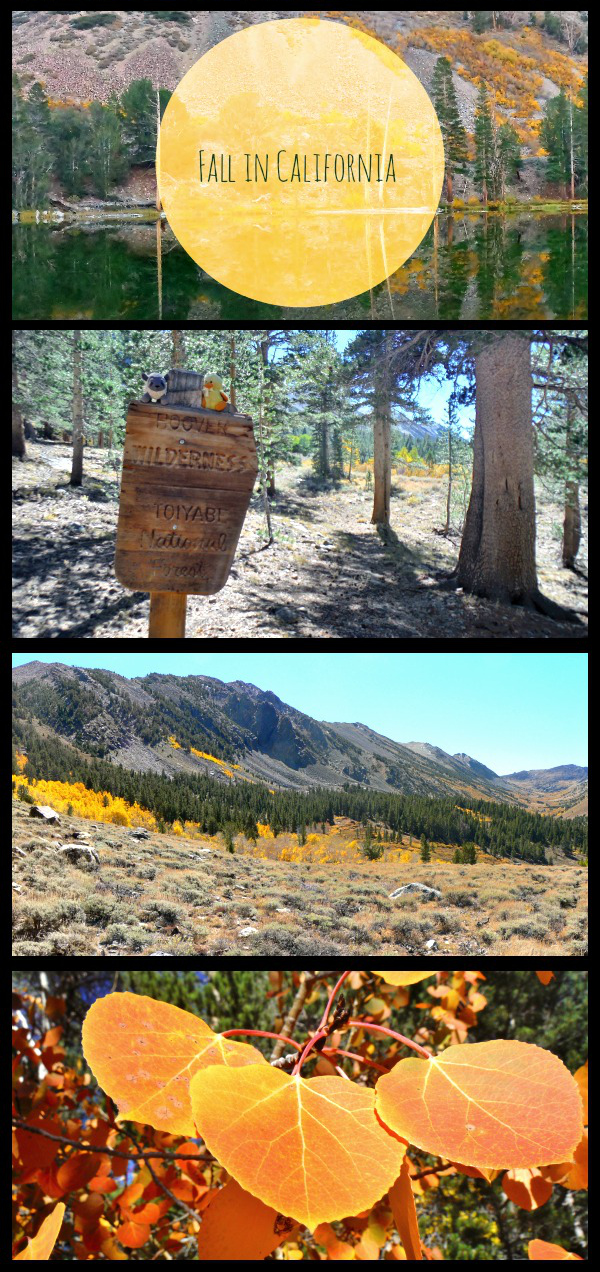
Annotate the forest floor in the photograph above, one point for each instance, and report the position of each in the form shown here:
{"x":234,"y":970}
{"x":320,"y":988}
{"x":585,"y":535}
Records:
{"x":329,"y":573}
{"x":186,"y":895}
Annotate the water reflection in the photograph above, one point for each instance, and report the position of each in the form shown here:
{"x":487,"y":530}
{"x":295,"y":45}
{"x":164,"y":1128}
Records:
{"x":470,"y":265}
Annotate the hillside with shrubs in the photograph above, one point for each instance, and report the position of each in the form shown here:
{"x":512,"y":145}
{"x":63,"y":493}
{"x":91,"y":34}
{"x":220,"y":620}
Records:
{"x":85,"y":88}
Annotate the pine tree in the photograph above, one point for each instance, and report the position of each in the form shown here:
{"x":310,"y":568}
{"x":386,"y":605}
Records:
{"x":484,"y":144}
{"x":509,"y":156}
{"x":454,"y":135}
{"x":425,"y":849}
{"x":555,"y":138}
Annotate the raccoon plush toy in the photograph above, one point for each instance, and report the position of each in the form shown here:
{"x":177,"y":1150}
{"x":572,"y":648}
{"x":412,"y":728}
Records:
{"x":156,"y":387}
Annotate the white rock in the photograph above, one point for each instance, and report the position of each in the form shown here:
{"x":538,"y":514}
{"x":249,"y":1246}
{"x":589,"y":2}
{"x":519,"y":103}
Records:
{"x":415,"y":887}
{"x":248,"y":931}
{"x":430,"y":945}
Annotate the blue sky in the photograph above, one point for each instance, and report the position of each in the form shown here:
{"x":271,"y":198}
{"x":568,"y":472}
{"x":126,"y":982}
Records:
{"x":432,"y":395}
{"x":511,"y":711}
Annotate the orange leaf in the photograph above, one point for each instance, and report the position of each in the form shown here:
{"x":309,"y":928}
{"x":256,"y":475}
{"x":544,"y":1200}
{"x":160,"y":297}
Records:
{"x":491,"y":1104}
{"x":78,"y":1169}
{"x":545,"y":977}
{"x":237,"y":1226}
{"x":544,"y":1250}
{"x":577,"y":1176}
{"x":405,"y":1213}
{"x":311,"y":1149}
{"x":133,"y":1235}
{"x":335,"y":1248}
{"x":404,"y":978}
{"x":42,"y":1245}
{"x":527,"y":1188}
{"x":32,"y":1151}
{"x":143,"y":1054}
{"x":581,"y":1078}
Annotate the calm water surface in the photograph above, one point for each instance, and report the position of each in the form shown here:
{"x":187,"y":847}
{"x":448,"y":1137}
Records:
{"x":527,"y":265}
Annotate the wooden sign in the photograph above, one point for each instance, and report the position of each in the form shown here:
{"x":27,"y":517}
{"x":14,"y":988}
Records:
{"x":186,"y":485}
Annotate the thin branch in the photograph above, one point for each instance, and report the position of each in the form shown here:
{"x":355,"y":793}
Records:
{"x":331,"y":998}
{"x":291,"y":1019}
{"x":414,"y":1046}
{"x":112,"y":1152}
{"x":160,"y":1184}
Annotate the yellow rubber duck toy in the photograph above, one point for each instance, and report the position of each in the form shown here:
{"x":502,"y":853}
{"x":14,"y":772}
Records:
{"x":213,"y":395}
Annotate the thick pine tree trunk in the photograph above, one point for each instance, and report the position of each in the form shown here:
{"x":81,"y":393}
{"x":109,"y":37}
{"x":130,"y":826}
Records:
{"x":497,"y":555}
{"x":77,"y":466}
{"x":382,"y":441}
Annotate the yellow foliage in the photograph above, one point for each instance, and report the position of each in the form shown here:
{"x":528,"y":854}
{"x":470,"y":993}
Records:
{"x":265,"y":831}
{"x":21,"y":760}
{"x":203,"y":755}
{"x":97,"y":805}
{"x":177,"y":828}
{"x":174,"y":744}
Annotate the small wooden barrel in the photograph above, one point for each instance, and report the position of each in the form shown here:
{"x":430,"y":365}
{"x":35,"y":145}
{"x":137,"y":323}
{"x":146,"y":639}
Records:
{"x":185,"y":389}
{"x":186,"y":485}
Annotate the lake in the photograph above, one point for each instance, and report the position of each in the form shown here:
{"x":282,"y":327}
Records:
{"x":471,"y":265}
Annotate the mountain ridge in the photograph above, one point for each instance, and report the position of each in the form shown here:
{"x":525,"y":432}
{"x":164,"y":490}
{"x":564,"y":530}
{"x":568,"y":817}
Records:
{"x":150,"y":723}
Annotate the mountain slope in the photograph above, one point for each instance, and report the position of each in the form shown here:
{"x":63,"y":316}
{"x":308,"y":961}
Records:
{"x":150,"y":724}
{"x":78,"y":57}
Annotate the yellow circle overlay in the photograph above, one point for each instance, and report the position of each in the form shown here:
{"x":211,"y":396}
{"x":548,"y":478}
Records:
{"x":300,"y":162}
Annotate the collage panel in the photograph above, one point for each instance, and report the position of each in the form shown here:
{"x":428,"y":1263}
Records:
{"x":300,"y":484}
{"x":279,"y":1113}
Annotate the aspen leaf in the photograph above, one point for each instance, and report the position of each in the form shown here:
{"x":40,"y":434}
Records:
{"x":403,"y":978}
{"x":314,"y":1150}
{"x":238,"y":1226}
{"x":77,"y":1171}
{"x":545,"y":977}
{"x":42,"y":1245}
{"x":492,"y":1104}
{"x":144,"y":1052}
{"x":581,"y":1078}
{"x":335,"y":1248}
{"x":545,"y":1250}
{"x":405,"y":1214}
{"x":527,"y":1188}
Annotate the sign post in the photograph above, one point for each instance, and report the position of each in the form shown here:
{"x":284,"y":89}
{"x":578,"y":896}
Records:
{"x":187,"y":479}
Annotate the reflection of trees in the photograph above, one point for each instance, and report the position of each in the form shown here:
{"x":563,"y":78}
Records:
{"x":499,"y":249}
{"x":565,"y":269}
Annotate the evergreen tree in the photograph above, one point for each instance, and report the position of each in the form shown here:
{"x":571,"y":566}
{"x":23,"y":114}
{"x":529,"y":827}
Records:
{"x":425,"y":849}
{"x":484,"y":144}
{"x":455,"y":138}
{"x":509,"y":157}
{"x":559,"y":136}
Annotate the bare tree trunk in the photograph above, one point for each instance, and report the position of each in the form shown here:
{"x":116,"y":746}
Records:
{"x":449,"y":189}
{"x":571,"y":157}
{"x":100,"y":441}
{"x":232,"y":370}
{"x":77,"y":467}
{"x":157,"y":147}
{"x":497,"y":554}
{"x":572,"y":521}
{"x":382,"y":466}
{"x":178,"y":349}
{"x":270,"y":472}
{"x":447,"y":526}
{"x":571,"y":525}
{"x":261,"y":447}
{"x":18,"y":435}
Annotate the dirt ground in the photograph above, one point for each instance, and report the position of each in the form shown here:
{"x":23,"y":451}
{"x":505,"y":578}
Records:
{"x":328,"y":573}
